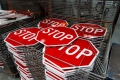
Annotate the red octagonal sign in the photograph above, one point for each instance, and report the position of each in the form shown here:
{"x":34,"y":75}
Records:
{"x":52,"y":22}
{"x":22,"y":37}
{"x":88,"y":30}
{"x":81,"y":53}
{"x":56,"y":36}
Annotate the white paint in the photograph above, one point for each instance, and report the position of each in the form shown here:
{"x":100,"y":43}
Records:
{"x":45,"y":21}
{"x":68,"y":36}
{"x":25,"y":34}
{"x":52,"y":23}
{"x":83,"y":27}
{"x":48,"y":30}
{"x":18,"y":32}
{"x":60,"y":35}
{"x":30,"y":36}
{"x":76,"y":27}
{"x":83,"y":53}
{"x":98,"y":30}
{"x":53,"y":32}
{"x":76,"y":49}
{"x":74,"y":52}
{"x":89,"y":30}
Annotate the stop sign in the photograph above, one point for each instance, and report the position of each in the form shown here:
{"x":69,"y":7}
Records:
{"x":56,"y":36}
{"x":88,"y":30}
{"x":81,"y":53}
{"x":52,"y":22}
{"x":22,"y":37}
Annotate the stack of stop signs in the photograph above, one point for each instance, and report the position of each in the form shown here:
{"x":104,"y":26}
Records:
{"x":93,"y":32}
{"x":22,"y":42}
{"x":16,"y":41}
{"x":65,"y":53}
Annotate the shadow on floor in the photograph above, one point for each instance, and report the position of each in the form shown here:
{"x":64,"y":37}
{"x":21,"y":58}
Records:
{"x":114,"y":63}
{"x":4,"y":75}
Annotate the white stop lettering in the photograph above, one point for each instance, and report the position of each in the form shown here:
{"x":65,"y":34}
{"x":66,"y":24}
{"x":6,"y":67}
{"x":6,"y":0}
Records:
{"x":85,"y":52}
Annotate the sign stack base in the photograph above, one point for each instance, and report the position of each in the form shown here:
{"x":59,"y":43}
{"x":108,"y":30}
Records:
{"x":54,"y":72}
{"x":74,"y":60}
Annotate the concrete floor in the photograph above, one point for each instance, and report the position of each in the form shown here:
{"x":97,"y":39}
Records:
{"x":4,"y":75}
{"x":116,"y":34}
{"x":114,"y":65}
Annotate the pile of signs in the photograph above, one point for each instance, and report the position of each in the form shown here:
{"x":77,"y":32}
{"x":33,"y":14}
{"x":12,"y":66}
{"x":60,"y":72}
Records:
{"x":92,"y":32}
{"x":17,"y":41}
{"x":67,"y":51}
{"x":65,"y":60}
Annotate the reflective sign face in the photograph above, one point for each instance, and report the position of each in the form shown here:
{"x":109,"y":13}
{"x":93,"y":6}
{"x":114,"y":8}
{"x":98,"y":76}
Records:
{"x":52,"y":22}
{"x":81,"y":53}
{"x":56,"y":36}
{"x":87,"y":30}
{"x":22,"y":37}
